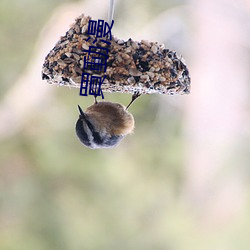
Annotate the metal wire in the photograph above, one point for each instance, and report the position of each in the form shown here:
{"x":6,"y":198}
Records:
{"x":111,"y":11}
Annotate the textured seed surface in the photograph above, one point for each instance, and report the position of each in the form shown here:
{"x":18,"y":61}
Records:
{"x":132,"y":66}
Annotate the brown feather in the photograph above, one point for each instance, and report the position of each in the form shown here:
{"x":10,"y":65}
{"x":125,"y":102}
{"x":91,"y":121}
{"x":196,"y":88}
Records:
{"x":111,"y":117}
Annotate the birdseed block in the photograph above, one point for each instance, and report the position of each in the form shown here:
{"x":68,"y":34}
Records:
{"x":144,"y":67}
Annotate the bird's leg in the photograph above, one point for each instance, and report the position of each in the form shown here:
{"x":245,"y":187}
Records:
{"x":95,"y":99}
{"x":134,"y":97}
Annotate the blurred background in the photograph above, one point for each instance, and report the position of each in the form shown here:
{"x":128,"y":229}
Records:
{"x":180,"y":182}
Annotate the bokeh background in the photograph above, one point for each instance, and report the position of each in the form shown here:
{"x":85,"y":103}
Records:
{"x":180,"y":182}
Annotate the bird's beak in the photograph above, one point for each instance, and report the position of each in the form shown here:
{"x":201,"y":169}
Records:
{"x":82,"y":115}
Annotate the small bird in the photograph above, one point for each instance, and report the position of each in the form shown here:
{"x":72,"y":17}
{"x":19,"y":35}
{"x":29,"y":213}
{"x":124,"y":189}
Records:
{"x":104,"y":124}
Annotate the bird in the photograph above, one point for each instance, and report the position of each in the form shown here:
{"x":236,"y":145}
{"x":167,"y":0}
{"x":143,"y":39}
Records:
{"x":104,"y":124}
